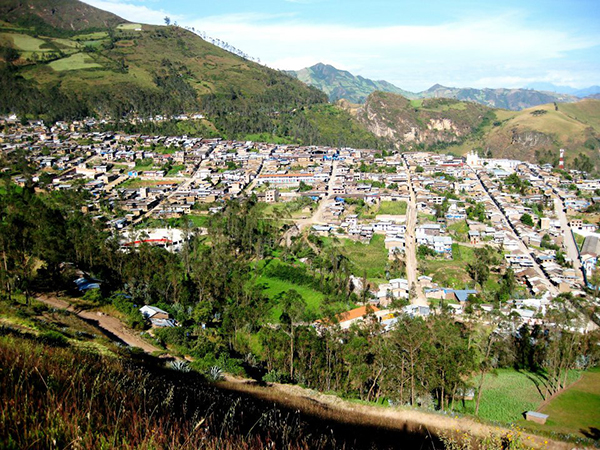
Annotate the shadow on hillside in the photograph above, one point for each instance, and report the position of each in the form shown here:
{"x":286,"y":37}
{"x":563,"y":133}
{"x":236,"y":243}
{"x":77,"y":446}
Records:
{"x":592,"y":433}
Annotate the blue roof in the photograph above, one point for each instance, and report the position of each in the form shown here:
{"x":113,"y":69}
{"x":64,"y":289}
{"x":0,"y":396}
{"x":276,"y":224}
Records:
{"x":463,"y":294}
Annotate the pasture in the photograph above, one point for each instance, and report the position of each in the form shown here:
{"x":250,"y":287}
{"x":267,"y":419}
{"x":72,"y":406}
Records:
{"x":78,"y":61}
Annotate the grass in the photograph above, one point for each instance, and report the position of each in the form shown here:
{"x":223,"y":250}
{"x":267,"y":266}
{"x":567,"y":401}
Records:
{"x":25,"y":42}
{"x":576,"y":410}
{"x":507,"y":395}
{"x":451,"y":272}
{"x":275,"y":286}
{"x":175,"y":170}
{"x":129,"y":26}
{"x":460,"y":230}
{"x":78,"y":61}
{"x":392,"y":208}
{"x":372,"y":257}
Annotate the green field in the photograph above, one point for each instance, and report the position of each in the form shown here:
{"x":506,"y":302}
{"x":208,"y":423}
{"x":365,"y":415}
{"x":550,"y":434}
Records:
{"x":78,"y":61}
{"x":26,"y":43}
{"x":275,"y":286}
{"x":175,"y":170}
{"x":372,"y":257}
{"x":450,"y":272}
{"x":575,"y":411}
{"x":129,"y":26}
{"x":459,"y":230}
{"x":393,"y":208}
{"x":508,"y":394}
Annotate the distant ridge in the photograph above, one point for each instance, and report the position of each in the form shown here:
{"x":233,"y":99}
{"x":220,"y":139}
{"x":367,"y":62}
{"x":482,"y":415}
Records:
{"x":341,"y":84}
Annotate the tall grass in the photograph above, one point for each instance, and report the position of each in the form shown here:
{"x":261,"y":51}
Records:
{"x":55,"y":396}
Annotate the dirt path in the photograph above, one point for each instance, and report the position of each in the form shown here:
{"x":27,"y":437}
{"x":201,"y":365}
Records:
{"x":335,"y":408}
{"x":311,"y":401}
{"x":108,"y":323}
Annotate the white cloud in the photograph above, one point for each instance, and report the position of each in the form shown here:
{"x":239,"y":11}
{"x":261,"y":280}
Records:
{"x":411,"y":56}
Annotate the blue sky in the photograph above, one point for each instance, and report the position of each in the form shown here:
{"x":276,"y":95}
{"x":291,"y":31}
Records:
{"x":413,"y":44}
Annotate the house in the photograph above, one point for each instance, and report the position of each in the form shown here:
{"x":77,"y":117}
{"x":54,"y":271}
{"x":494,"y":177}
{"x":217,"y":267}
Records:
{"x":157,"y":316}
{"x":356,"y":315}
{"x":474,"y":237}
{"x":536,"y":417}
{"x":271,"y":196}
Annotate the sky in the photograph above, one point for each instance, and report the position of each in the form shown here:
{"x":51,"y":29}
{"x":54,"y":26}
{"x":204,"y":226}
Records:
{"x":412,"y":44}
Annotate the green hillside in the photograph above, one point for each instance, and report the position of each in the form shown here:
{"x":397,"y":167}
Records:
{"x":56,"y":17}
{"x":341,"y":84}
{"x":89,"y":62}
{"x":538,"y":133}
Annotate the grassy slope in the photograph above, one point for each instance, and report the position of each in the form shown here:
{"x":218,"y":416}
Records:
{"x":62,"y":14}
{"x":570,"y":128}
{"x":508,"y":394}
{"x":577,"y":410}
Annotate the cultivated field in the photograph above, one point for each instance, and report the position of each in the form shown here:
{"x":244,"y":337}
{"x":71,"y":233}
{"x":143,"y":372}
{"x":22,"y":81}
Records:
{"x":77,"y":61}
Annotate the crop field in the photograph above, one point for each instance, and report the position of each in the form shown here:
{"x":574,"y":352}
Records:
{"x":576,"y":410}
{"x":78,"y":61}
{"x":508,"y":394}
{"x":25,"y":42}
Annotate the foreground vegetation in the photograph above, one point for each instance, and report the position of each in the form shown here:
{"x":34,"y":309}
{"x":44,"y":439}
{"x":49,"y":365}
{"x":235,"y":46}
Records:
{"x":215,"y":288}
{"x":55,"y":396}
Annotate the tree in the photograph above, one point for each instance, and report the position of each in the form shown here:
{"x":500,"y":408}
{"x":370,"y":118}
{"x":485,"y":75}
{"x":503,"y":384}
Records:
{"x":167,"y":20}
{"x":294,"y":313}
{"x":527,"y":220}
{"x":479,"y":271}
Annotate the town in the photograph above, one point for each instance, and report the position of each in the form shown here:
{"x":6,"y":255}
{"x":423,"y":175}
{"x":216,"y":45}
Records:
{"x":491,"y":239}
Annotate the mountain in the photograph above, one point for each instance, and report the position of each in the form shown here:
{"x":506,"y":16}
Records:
{"x":59,"y":14}
{"x":534,"y":134}
{"x":341,"y":84}
{"x":549,"y":87}
{"x":513,"y":99}
{"x":64,"y":59}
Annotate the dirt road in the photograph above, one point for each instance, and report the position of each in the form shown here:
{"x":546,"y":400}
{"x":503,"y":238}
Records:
{"x":411,"y":248}
{"x":108,"y":323}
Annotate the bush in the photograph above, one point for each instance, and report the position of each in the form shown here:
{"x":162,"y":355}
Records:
{"x":53,"y":338}
{"x":276,"y":376}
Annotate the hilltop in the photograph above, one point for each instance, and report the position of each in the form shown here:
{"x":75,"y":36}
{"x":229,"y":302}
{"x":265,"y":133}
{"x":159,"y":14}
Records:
{"x":62,"y":15}
{"x":65,"y":59}
{"x":341,"y":84}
